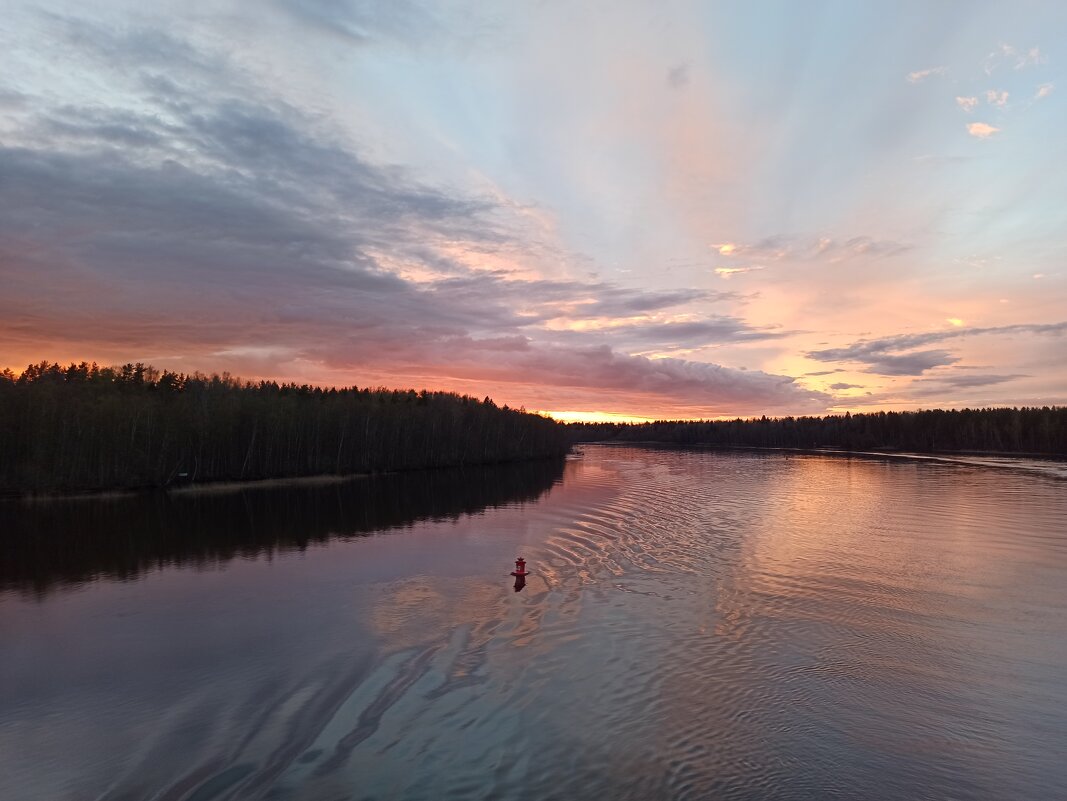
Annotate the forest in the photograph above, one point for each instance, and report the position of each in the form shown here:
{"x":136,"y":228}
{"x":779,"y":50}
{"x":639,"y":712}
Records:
{"x":1005,"y":430}
{"x":87,"y":427}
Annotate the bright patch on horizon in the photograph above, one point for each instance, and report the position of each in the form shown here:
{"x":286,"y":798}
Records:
{"x":955,"y":321}
{"x":595,"y":417}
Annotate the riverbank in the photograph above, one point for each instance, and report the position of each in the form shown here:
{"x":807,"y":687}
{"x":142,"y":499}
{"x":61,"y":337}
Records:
{"x":85,"y":428}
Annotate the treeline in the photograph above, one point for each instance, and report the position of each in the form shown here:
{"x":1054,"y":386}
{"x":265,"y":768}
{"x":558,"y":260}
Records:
{"x":87,"y":427}
{"x":1024,"y":430}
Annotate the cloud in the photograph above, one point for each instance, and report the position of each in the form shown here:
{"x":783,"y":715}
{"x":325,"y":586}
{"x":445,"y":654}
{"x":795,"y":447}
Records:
{"x":975,"y":380}
{"x":937,"y":387}
{"x":968,"y":104}
{"x":678,"y":76}
{"x":165,"y":260}
{"x":12,"y":100}
{"x":210,"y":220}
{"x":981,"y":130}
{"x":713,"y":330}
{"x":996,"y":98}
{"x":1044,"y":90}
{"x":729,"y":272}
{"x":1029,"y":58}
{"x":783,"y":247}
{"x":368,"y":22}
{"x":921,"y":75}
{"x":891,"y":356}
{"x":841,"y":386}
{"x":1006,"y":54}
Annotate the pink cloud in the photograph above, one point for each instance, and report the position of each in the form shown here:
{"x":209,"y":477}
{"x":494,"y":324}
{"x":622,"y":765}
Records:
{"x":921,"y":75}
{"x":981,"y":130}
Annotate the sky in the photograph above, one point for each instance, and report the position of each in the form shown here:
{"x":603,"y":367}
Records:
{"x":607,"y":210}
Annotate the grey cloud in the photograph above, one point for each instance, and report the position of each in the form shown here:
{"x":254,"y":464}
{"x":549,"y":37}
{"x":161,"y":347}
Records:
{"x":363,"y":22}
{"x":713,"y":330}
{"x":889,"y":356}
{"x":678,"y":75}
{"x":539,"y":301}
{"x":936,"y":386}
{"x":842,"y":385}
{"x":965,"y":381}
{"x":915,"y":363}
{"x":137,"y":50}
{"x":79,"y":127}
{"x":12,"y":100}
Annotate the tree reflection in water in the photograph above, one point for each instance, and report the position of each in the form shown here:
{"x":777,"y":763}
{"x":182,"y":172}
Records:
{"x":61,"y":542}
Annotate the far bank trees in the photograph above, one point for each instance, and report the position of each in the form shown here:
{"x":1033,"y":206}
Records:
{"x":1007,"y":430}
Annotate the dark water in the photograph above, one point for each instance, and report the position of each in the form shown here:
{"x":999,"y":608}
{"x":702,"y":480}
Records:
{"x":697,"y":625}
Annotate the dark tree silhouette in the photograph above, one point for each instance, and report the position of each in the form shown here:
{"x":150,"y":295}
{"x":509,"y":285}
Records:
{"x":86,"y":427}
{"x":1007,"y":430}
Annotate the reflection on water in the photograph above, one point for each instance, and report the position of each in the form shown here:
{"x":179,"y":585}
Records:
{"x":68,"y":541}
{"x":693,"y":625}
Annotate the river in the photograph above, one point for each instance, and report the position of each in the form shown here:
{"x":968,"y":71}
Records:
{"x":696,"y":625}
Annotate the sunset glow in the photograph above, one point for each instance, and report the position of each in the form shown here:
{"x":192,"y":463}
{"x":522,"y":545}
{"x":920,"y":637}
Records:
{"x":627,"y":212}
{"x":595,"y":417}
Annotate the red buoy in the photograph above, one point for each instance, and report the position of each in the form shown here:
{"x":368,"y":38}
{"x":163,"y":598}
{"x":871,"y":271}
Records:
{"x":520,"y":567}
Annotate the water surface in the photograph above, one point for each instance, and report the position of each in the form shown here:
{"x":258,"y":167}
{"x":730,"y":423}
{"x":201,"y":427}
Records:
{"x":698,"y":624}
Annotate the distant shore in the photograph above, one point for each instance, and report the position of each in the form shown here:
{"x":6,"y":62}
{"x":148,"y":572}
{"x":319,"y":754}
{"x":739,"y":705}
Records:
{"x":1049,"y":457}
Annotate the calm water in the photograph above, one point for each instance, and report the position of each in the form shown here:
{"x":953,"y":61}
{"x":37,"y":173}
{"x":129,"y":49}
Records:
{"x":697,"y":625}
